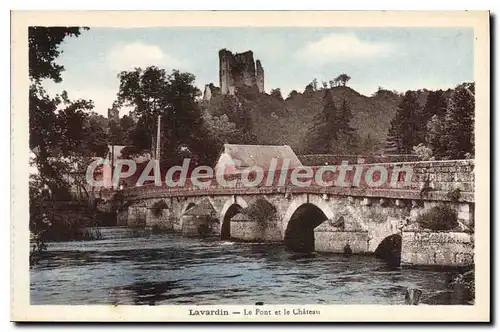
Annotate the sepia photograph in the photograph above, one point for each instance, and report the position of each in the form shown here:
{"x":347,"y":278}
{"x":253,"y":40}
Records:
{"x":252,"y":172}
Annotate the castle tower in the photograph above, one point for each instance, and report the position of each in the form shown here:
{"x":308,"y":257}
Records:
{"x":207,"y":94}
{"x":113,"y":114}
{"x":260,"y":76}
{"x":225,"y":62}
{"x":244,"y":69}
{"x":238,"y":70}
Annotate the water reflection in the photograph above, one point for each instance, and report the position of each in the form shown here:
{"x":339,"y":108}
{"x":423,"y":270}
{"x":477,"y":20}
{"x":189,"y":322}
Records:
{"x":170,"y":269}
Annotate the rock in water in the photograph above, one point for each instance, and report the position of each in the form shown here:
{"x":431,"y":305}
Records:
{"x":347,"y":250}
{"x":412,"y":296}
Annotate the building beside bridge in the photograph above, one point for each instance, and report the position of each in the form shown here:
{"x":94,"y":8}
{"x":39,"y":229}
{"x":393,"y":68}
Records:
{"x":114,"y":153}
{"x":235,"y":158}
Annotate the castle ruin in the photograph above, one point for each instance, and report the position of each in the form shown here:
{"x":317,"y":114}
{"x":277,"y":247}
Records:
{"x":114,"y":114}
{"x":240,"y":69}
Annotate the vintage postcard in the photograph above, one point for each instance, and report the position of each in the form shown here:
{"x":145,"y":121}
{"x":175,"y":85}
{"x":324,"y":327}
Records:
{"x":250,"y":166}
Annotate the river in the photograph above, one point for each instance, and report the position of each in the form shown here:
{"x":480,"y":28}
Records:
{"x":129,"y":268}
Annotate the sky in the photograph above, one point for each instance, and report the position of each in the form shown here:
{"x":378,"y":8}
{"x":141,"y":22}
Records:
{"x":392,"y":58}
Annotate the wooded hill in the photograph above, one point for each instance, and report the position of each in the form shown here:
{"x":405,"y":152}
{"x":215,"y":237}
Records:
{"x":274,"y":120}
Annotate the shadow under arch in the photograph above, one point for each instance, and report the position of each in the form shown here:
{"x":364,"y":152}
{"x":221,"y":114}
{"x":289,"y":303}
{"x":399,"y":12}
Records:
{"x":190,"y":205}
{"x":261,"y":210}
{"x":389,"y":249}
{"x":299,"y":233}
{"x":225,"y":230}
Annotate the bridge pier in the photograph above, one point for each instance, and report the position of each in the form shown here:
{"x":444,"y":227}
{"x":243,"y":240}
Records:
{"x":122,"y":217}
{"x":136,"y":216}
{"x":200,"y":220}
{"x":159,"y":218}
{"x":437,"y":248}
{"x":244,"y":228}
{"x":328,"y":240}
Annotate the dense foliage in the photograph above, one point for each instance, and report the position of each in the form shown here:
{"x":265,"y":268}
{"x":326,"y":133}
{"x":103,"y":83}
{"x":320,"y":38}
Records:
{"x":438,"y":218}
{"x":331,"y":131}
{"x":64,"y":133}
{"x":443,"y":128}
{"x":151,"y":92}
{"x":64,"y":136}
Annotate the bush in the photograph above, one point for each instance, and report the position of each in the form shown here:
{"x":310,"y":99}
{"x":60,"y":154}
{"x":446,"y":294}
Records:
{"x":158,"y":207}
{"x":439,"y":218}
{"x":38,"y":247}
{"x":454,"y":195}
{"x":466,"y":280}
{"x":260,"y":211}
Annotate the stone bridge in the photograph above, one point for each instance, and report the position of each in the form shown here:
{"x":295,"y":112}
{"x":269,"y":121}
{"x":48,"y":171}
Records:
{"x":357,"y":219}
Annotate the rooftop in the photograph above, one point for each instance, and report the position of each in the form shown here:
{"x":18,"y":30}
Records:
{"x":260,"y":155}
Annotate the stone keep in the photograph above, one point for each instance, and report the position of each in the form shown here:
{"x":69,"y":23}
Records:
{"x":240,"y":69}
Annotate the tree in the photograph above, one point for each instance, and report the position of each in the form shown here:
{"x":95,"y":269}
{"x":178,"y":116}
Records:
{"x":49,"y":132}
{"x":309,"y":90}
{"x":423,"y":152}
{"x":325,"y":130}
{"x":405,"y":126}
{"x":343,"y":79}
{"x":221,"y":130}
{"x":325,"y":85}
{"x":314,"y":84}
{"x":382,"y":92}
{"x":127,"y":126}
{"x":64,"y":136}
{"x":276,"y":93}
{"x":43,"y":49}
{"x":366,"y":145}
{"x":87,"y":139}
{"x":393,"y":142}
{"x":435,"y":104}
{"x":345,"y":119}
{"x":153,"y":92}
{"x":144,"y":90}
{"x":292,"y":94}
{"x":115,"y":133}
{"x":461,"y":117}
{"x":437,"y":136}
{"x":451,"y":136}
{"x":345,"y":140}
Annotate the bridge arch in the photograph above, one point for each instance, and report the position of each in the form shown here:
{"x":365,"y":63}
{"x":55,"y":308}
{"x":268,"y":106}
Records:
{"x":261,"y":210}
{"x":230,"y":208}
{"x":390,"y":249}
{"x":304,"y":213}
{"x":188,"y":206}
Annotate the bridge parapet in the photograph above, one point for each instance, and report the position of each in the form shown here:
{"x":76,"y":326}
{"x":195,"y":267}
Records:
{"x":430,"y":180}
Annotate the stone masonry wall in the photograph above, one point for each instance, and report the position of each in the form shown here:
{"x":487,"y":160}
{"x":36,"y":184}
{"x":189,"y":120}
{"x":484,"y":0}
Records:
{"x":239,"y":69}
{"x":202,"y":226}
{"x":122,"y":217}
{"x":136,"y":216}
{"x":430,"y":181}
{"x":326,"y":241}
{"x":249,"y":230}
{"x":158,"y":219}
{"x":437,"y":248}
